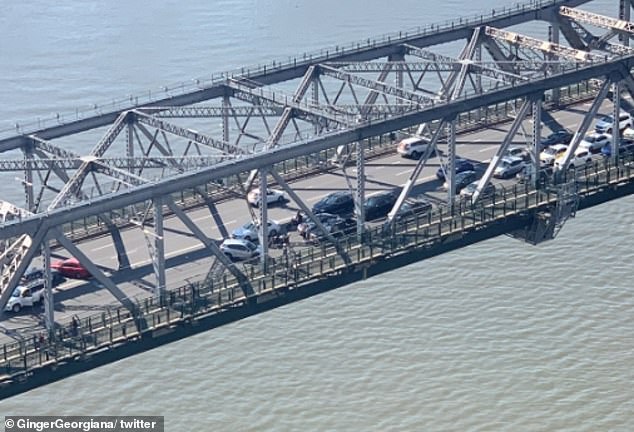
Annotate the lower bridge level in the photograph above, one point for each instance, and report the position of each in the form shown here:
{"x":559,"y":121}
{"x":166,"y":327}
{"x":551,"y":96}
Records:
{"x":531,"y":213}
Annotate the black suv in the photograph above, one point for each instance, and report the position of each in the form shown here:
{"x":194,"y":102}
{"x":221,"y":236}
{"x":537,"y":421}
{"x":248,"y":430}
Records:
{"x":337,"y":203}
{"x":378,"y":206}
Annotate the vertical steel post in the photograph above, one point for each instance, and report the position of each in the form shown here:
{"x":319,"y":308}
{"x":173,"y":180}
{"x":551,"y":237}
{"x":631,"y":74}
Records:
{"x":315,"y":99}
{"x":537,"y":138}
{"x":225,"y":118}
{"x":130,"y":142}
{"x":28,"y":177}
{"x":49,"y":305}
{"x":553,"y":36}
{"x":159,"y":248}
{"x":451,"y":162}
{"x":624,"y":14}
{"x":263,"y":228}
{"x":360,"y":197}
{"x":616,"y":112}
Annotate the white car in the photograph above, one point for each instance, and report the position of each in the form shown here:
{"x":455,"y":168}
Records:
{"x":413,"y":147}
{"x":240,"y":250}
{"x":272,"y":196}
{"x":249,"y":231}
{"x":25,"y":296}
{"x":548,"y":156}
{"x":581,"y":157}
{"x":520,"y":152}
{"x":594,"y":142}
{"x":605,"y":124}
{"x":508,"y":167}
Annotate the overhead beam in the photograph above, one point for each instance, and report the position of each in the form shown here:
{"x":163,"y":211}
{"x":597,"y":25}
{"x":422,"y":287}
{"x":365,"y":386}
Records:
{"x":597,"y":20}
{"x":540,"y":45}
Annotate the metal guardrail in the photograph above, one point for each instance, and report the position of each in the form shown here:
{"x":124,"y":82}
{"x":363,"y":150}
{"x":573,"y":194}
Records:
{"x":182,"y":88}
{"x":81,"y":338}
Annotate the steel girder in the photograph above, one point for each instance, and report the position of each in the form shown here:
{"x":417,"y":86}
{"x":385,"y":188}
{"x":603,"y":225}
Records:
{"x":210,"y":244}
{"x":495,"y":160}
{"x":355,"y":132}
{"x":484,"y":68}
{"x":73,"y":186}
{"x":377,"y":86}
{"x":320,"y":227}
{"x":585,"y":124}
{"x":540,"y":45}
{"x":597,"y":20}
{"x":211,"y":111}
{"x":315,"y":114}
{"x":189,"y":134}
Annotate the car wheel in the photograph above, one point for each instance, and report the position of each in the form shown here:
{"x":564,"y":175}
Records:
{"x":280,"y":199}
{"x":228,"y":255}
{"x":16,"y":308}
{"x":415,"y":155}
{"x":272,"y":233}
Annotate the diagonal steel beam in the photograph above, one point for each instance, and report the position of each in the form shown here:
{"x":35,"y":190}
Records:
{"x":508,"y":139}
{"x":93,"y":269}
{"x":73,"y":185}
{"x":517,"y":39}
{"x":245,"y":285}
{"x":117,"y":174}
{"x":597,"y":20}
{"x":34,"y":248}
{"x":191,"y":135}
{"x":376,"y":86}
{"x":457,"y":80}
{"x":585,"y":124}
{"x":411,"y":181}
{"x":280,"y":181}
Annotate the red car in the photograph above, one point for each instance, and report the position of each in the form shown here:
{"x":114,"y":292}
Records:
{"x":71,"y":268}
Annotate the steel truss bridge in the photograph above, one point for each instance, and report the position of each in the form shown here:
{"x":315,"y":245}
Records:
{"x":278,"y":123}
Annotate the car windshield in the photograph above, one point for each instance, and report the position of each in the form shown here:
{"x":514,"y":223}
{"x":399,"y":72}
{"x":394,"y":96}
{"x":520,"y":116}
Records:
{"x":550,"y":151}
{"x":608,"y":119}
{"x":248,"y":226}
{"x":16,"y":293}
{"x":591,"y":138}
{"x":251,"y":246}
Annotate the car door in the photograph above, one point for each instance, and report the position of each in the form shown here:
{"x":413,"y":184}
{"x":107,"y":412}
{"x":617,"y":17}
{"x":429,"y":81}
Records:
{"x":27,"y":299}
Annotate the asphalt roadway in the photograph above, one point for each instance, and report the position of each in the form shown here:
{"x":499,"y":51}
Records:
{"x":186,"y":258}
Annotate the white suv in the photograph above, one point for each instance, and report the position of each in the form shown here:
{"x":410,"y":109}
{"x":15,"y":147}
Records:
{"x":24,"y":296}
{"x":581,"y":157}
{"x":594,"y":142}
{"x":548,"y":156}
{"x":605,"y":124}
{"x":413,"y":147}
{"x":236,"y":249}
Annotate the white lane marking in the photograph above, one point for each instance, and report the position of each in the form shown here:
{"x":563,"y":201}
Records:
{"x":101,"y":247}
{"x":232,"y":221}
{"x":201,"y":218}
{"x":398,"y":162}
{"x":408,"y":171}
{"x":167,"y":255}
{"x":486,"y":149}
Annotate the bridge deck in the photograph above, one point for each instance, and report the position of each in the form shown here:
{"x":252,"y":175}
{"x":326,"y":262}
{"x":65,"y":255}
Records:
{"x":296,"y":276}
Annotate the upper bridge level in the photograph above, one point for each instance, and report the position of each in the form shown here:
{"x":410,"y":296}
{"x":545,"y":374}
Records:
{"x":306,"y":127}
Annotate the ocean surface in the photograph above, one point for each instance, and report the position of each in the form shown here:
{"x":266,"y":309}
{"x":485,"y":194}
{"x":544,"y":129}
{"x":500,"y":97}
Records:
{"x":498,"y":336}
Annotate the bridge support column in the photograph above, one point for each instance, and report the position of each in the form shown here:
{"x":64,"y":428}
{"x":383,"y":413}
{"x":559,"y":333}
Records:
{"x":158,"y":260}
{"x":225,"y":118}
{"x":360,"y":190}
{"x":450,"y":173}
{"x":263,"y":228}
{"x":553,"y":36}
{"x":49,"y":304}
{"x":624,"y":14}
{"x":28,"y":177}
{"x":616,"y":133}
{"x":537,"y":138}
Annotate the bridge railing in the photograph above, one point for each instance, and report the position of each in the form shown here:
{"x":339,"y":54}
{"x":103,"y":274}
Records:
{"x":83,"y":337}
{"x":187,"y":87}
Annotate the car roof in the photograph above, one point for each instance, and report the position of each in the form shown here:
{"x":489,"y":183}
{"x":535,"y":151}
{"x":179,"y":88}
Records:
{"x":511,"y":159}
{"x":559,"y":146}
{"x":229,"y":242}
{"x":413,"y":140}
